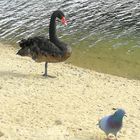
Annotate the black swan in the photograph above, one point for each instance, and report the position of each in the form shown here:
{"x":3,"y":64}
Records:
{"x":42,"y":49}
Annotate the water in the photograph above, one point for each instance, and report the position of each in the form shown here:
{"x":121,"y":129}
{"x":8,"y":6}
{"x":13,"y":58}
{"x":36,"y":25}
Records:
{"x":104,"y":34}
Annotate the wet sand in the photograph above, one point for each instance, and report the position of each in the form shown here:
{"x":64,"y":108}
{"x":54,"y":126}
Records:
{"x":66,"y":107}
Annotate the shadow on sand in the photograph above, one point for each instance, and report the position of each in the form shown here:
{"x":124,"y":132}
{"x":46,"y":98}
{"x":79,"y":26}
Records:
{"x":11,"y":74}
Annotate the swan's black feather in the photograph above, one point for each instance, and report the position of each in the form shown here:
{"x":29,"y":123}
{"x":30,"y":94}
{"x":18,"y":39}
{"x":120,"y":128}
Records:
{"x":40,"y":44}
{"x":41,"y":49}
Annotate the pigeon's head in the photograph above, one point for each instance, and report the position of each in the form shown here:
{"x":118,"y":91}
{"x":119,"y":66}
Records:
{"x":120,"y":113}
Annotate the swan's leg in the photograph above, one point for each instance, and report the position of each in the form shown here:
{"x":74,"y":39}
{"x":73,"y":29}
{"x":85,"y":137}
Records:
{"x":46,"y":66}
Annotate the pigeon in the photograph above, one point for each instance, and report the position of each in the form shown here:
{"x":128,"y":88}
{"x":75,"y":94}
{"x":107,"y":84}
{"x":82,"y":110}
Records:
{"x":113,"y":123}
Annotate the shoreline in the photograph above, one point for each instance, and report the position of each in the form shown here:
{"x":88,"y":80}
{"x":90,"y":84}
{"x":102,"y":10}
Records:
{"x":69,"y":106}
{"x":108,"y":60}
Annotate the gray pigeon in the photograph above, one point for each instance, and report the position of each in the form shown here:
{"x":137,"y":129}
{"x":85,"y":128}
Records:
{"x":113,"y":123}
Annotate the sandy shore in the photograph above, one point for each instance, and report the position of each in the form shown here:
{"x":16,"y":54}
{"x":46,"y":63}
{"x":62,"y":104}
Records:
{"x":63,"y":108}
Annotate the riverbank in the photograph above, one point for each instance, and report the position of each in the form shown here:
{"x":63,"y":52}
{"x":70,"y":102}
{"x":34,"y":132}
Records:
{"x":65,"y":107}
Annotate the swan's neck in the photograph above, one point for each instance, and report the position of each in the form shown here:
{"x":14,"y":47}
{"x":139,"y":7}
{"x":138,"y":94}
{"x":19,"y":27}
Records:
{"x":53,"y":37}
{"x":52,"y":31}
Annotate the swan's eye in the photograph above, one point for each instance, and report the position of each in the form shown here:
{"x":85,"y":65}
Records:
{"x":63,"y":21}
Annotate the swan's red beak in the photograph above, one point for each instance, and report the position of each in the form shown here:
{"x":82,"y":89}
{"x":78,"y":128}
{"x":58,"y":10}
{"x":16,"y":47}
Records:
{"x":64,"y":21}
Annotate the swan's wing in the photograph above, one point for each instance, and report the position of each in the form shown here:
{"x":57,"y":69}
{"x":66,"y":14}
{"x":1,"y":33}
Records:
{"x":49,"y":48}
{"x":41,"y":45}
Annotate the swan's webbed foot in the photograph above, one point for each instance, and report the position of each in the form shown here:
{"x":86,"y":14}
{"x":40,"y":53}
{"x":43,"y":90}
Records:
{"x":45,"y":75}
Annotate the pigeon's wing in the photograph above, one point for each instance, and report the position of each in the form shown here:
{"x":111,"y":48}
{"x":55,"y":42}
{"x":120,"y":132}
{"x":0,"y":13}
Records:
{"x":103,"y":124}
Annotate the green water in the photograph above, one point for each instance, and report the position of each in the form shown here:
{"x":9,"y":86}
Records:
{"x":121,"y":60}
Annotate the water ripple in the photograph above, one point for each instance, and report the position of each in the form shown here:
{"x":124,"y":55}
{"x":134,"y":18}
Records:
{"x":109,"y":18}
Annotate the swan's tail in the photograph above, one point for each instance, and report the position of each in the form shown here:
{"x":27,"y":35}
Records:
{"x":25,"y":43}
{"x":25,"y":47}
